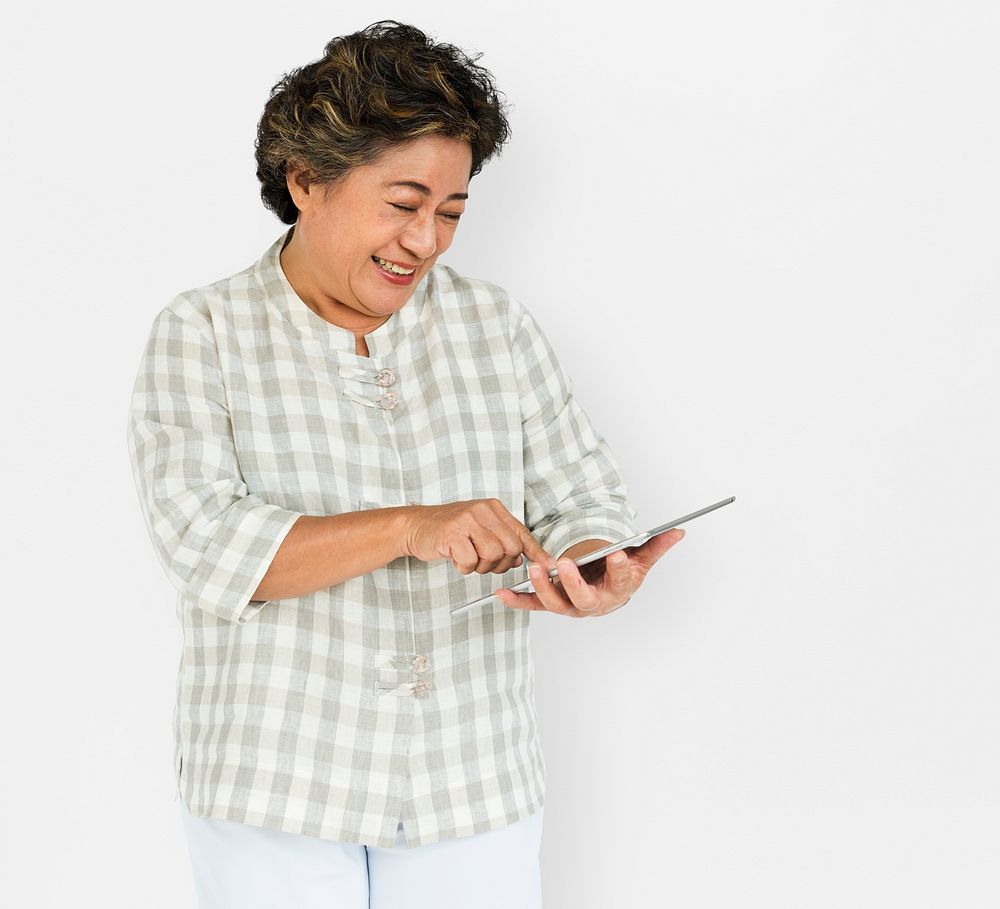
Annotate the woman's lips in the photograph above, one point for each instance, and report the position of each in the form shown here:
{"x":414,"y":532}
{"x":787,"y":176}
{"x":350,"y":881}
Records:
{"x":400,"y":264}
{"x":398,"y":280}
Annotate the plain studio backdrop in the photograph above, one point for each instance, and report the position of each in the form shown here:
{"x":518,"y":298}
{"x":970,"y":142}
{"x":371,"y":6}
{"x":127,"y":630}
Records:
{"x":763,"y":239}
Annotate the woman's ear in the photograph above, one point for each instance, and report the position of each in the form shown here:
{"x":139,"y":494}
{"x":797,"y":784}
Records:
{"x":299,"y":182}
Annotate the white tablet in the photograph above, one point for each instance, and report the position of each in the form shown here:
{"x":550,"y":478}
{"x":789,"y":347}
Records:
{"x":637,"y":540}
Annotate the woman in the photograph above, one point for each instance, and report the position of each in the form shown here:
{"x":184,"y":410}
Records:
{"x":335,"y":447}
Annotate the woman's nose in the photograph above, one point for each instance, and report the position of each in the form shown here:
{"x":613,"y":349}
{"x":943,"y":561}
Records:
{"x":420,"y":237}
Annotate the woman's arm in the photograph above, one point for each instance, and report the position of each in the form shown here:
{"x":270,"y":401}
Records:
{"x":582,"y":548}
{"x":573,"y":484}
{"x":323,"y":550}
{"x":212,"y":535}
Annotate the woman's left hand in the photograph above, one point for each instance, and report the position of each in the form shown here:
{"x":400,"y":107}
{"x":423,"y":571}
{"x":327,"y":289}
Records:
{"x":596,"y":588}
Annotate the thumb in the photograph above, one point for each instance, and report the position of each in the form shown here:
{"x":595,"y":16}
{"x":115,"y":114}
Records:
{"x":656,"y":547}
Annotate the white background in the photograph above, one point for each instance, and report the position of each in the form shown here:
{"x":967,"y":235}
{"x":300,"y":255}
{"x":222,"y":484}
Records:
{"x":763,"y":239}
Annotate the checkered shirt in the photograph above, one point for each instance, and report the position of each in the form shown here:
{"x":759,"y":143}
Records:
{"x":345,"y":712}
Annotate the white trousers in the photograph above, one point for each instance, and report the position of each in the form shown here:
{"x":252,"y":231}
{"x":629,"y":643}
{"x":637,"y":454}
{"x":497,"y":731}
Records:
{"x":238,"y":866}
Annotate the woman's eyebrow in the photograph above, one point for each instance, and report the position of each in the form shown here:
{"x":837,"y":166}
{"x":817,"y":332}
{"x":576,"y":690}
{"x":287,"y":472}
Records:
{"x":419,"y":187}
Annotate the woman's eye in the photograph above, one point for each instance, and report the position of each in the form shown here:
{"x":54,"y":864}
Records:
{"x":448,"y":215}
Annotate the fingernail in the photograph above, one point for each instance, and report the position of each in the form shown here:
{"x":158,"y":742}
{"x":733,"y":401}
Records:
{"x":617,"y":558}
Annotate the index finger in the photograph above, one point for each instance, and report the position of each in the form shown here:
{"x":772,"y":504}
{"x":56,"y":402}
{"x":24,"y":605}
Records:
{"x":529,"y":545}
{"x":531,"y":548}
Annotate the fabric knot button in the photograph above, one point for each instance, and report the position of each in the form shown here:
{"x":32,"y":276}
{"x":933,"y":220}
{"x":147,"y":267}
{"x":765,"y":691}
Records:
{"x":385,"y":377}
{"x":421,"y":688}
{"x":388,"y":400}
{"x":420,"y":663}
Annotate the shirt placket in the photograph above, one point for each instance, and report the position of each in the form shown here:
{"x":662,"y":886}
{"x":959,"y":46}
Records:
{"x":359,"y":382}
{"x":397,"y":674}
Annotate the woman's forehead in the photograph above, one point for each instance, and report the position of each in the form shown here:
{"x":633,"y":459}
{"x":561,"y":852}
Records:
{"x":434,"y":166}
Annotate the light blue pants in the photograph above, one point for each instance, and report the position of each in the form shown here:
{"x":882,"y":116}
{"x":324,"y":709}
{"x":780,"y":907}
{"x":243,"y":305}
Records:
{"x":238,"y":866}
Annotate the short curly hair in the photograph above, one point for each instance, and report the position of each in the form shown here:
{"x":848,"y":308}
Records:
{"x":373,"y":89}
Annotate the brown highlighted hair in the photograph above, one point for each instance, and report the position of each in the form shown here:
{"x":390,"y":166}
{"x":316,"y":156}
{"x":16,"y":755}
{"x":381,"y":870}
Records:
{"x":373,"y":89}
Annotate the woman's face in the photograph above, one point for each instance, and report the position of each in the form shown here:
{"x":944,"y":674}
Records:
{"x":403,"y":209}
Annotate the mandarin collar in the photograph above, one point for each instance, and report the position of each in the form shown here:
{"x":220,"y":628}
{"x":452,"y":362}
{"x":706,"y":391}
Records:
{"x":381,"y":342}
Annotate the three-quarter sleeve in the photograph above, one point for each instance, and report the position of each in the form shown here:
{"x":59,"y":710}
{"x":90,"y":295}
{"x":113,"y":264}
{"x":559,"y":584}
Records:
{"x":214,"y":539}
{"x":573,"y":486}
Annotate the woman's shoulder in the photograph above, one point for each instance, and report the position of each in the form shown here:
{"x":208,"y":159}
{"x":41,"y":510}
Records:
{"x":204,"y":306}
{"x":471,"y":295}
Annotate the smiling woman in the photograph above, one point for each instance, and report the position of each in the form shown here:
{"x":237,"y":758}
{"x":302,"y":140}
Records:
{"x":382,"y":133}
{"x":403,"y":210}
{"x":334,"y":447}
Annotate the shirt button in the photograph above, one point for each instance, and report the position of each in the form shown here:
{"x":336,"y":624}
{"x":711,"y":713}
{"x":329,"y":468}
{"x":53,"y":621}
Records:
{"x":421,"y":688}
{"x":388,"y":400}
{"x":385,"y":377}
{"x":420,"y":663}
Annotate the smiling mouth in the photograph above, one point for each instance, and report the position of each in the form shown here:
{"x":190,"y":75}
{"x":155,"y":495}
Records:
{"x":392,"y":268}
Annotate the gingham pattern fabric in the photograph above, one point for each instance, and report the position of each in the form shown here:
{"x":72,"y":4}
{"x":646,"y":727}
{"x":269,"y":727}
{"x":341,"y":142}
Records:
{"x":341,"y":713}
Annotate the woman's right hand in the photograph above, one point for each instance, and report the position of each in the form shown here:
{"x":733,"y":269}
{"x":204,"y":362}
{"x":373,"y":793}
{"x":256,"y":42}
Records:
{"x":476,"y":534}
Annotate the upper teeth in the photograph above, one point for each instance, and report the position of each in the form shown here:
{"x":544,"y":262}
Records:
{"x":389,"y":266}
